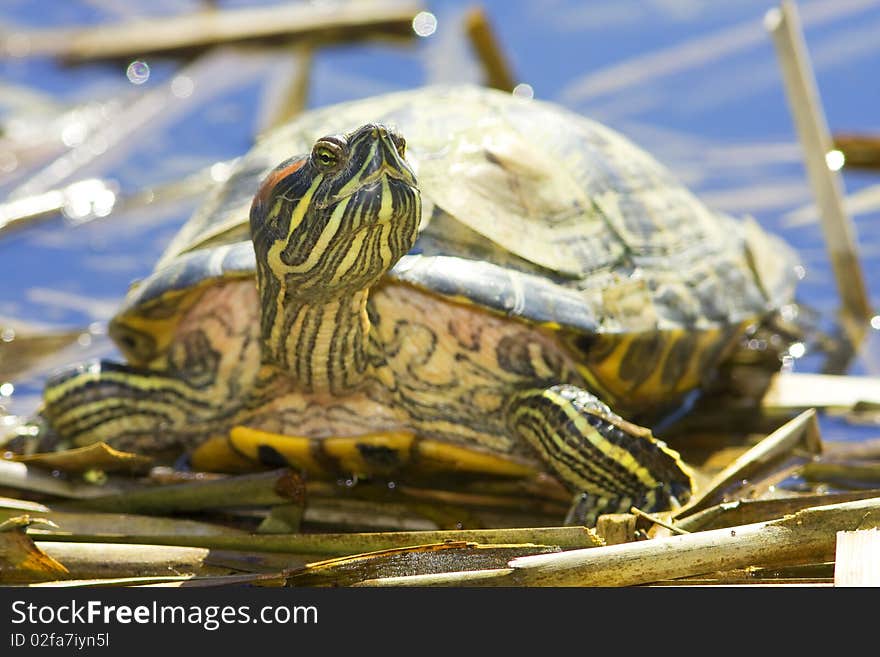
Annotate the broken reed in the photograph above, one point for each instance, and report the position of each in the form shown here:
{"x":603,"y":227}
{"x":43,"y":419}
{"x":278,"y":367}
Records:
{"x":806,"y":537}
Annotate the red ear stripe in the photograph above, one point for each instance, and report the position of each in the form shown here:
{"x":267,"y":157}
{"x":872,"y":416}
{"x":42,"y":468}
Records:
{"x":277,"y":174}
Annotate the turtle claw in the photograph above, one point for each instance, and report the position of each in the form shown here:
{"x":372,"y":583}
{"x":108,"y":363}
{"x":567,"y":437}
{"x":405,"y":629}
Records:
{"x":585,"y":508}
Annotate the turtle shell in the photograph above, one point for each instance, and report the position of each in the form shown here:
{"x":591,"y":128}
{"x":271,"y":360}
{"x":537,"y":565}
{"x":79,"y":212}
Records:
{"x":529,"y":210}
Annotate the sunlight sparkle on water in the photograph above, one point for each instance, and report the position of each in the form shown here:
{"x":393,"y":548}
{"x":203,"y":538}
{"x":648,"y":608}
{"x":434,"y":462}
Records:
{"x":220,"y":171}
{"x":74,"y":133}
{"x":523,"y":90}
{"x":85,"y":198}
{"x":138,"y":72}
{"x":835,"y":160}
{"x":875,"y":322}
{"x":789,"y":312}
{"x":6,"y":389}
{"x":797,"y":350}
{"x":424,"y":24}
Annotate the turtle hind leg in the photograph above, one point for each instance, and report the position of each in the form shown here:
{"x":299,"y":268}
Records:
{"x":128,"y":407}
{"x":609,"y":463}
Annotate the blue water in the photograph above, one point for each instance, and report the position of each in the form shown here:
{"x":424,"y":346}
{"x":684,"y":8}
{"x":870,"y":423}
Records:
{"x":694,"y":82}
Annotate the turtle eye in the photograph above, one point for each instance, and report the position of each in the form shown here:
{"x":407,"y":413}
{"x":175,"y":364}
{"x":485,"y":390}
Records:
{"x":400,"y":143}
{"x":326,"y":155}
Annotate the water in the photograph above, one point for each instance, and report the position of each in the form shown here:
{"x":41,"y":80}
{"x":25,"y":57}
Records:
{"x":694,"y":82}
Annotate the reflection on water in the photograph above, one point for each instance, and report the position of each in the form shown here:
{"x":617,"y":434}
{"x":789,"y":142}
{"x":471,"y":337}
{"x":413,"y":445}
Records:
{"x":695,"y":83}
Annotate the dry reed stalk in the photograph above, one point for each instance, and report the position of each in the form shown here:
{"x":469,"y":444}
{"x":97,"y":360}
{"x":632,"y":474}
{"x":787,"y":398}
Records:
{"x":800,"y":432}
{"x":860,"y":151}
{"x":211,"y":28}
{"x":806,"y":537}
{"x":353,"y":543}
{"x":482,"y":37}
{"x":746,"y":512}
{"x":812,"y":128}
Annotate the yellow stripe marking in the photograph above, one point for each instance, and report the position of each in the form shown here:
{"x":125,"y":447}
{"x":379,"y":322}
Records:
{"x":416,"y":454}
{"x":347,"y":453}
{"x":320,"y":249}
{"x":296,"y":450}
{"x":54,"y":395}
{"x":445,"y":456}
{"x":613,"y":452}
{"x":352,"y":257}
{"x":216,"y":455}
{"x":357,"y":180}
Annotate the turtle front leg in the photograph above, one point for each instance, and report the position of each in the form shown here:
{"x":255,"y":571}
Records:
{"x":611,"y":464}
{"x":130,"y":408}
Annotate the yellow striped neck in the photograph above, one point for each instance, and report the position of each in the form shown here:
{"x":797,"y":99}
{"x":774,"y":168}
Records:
{"x":321,"y":344}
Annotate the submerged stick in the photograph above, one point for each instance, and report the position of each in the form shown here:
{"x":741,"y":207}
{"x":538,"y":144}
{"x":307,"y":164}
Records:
{"x":812,"y":128}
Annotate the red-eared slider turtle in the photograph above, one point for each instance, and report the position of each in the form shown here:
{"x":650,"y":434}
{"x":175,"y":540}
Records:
{"x":550,"y":268}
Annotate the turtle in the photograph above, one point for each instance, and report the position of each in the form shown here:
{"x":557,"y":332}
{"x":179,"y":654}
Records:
{"x":449,"y":275}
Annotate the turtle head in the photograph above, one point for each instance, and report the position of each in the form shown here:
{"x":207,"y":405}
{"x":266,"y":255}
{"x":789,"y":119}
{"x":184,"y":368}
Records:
{"x":336,"y":220}
{"x":326,"y":227}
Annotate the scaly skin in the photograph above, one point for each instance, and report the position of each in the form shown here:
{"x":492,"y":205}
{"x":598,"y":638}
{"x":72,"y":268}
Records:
{"x":322,"y":349}
{"x":450,"y":372}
